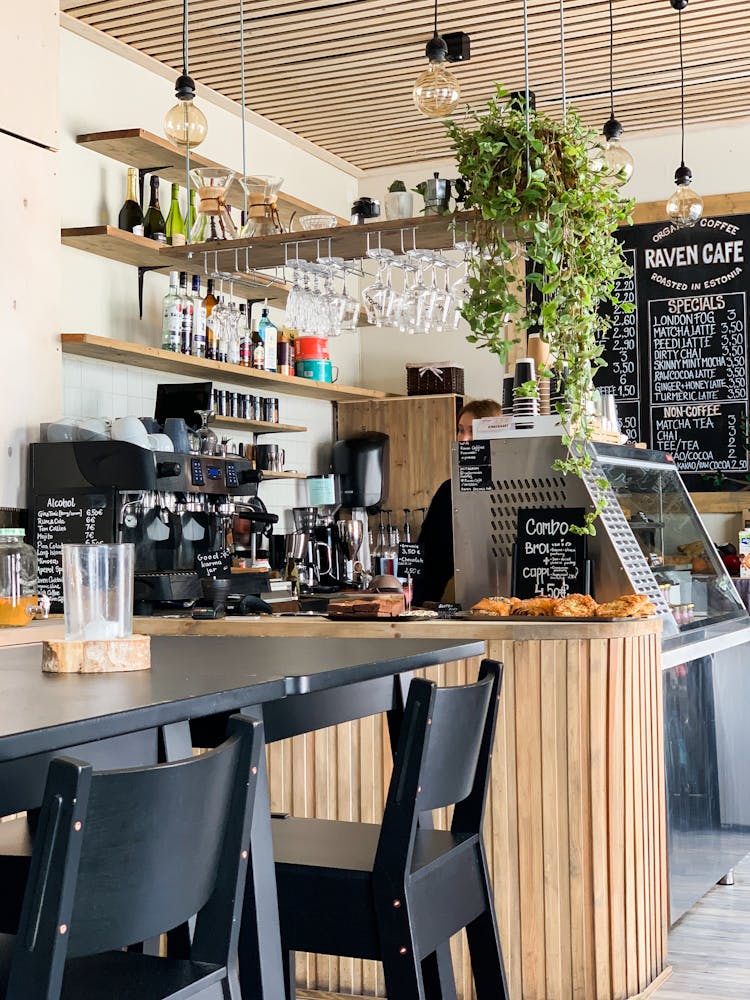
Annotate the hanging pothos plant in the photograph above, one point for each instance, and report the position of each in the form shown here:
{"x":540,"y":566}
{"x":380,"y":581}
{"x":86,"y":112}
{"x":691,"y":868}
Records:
{"x":535,"y":181}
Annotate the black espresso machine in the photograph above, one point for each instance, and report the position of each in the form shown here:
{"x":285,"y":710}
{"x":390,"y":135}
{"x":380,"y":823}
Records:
{"x":176,"y":509}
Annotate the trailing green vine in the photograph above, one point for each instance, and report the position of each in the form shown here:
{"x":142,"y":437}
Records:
{"x":538,"y":184}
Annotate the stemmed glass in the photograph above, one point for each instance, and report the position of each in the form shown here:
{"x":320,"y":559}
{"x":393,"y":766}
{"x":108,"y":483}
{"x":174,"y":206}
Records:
{"x":378,"y":297}
{"x":207,"y":440}
{"x":220,"y":321}
{"x":350,"y":313}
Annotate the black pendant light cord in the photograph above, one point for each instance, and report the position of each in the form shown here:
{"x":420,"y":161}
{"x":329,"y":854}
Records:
{"x":682,"y":92}
{"x":185,"y":39}
{"x":436,"y":12}
{"x":611,"y":62}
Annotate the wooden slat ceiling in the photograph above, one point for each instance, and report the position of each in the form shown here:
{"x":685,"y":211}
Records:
{"x":340,"y":72}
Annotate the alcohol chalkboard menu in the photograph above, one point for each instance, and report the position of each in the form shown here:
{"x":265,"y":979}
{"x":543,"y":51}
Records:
{"x":71,"y":518}
{"x":678,"y":362}
{"x":549,"y":560}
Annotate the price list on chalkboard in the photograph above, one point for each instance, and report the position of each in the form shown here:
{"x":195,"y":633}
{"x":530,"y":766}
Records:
{"x":72,"y":519}
{"x":621,"y":376}
{"x":678,"y":364}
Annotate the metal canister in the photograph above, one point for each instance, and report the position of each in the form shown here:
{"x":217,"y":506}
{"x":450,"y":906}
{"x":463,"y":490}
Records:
{"x":256,"y":407}
{"x":244,"y":405}
{"x":220,"y":402}
{"x":232,"y":404}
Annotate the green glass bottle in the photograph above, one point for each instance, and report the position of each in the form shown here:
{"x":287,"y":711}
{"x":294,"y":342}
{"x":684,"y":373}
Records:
{"x":191,"y":214}
{"x":154,"y":226}
{"x":175,"y":221}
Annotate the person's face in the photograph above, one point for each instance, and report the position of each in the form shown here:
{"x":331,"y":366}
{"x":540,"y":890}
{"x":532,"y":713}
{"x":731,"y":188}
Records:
{"x":465,"y":428}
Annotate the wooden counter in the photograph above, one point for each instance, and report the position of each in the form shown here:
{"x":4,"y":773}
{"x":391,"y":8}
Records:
{"x":576,"y":820}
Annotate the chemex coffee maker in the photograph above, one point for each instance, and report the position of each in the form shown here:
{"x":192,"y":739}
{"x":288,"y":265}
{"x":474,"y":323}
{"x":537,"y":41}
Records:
{"x":176,"y":508}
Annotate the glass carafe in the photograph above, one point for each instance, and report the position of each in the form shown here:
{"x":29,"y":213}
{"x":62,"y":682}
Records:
{"x":18,"y":579}
{"x":261,"y":194}
{"x":213,"y":221}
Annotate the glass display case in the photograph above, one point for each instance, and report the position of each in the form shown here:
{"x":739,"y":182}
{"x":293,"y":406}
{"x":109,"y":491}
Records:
{"x":686,"y":566}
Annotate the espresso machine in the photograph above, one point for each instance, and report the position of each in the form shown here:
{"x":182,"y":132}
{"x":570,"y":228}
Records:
{"x":175,"y":508}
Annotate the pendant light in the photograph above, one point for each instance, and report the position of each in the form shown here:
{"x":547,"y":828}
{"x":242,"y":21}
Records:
{"x":436,"y":92}
{"x":185,"y":124}
{"x":685,"y":206}
{"x":617,"y":161}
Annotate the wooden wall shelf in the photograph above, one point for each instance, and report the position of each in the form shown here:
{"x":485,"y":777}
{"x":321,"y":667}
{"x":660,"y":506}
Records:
{"x":121,"y":352}
{"x":256,"y":426}
{"x":268,"y":476}
{"x":138,"y":148}
{"x":120,"y":245}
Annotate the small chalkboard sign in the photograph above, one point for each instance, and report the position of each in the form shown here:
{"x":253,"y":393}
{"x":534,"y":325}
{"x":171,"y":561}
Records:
{"x":447,"y":610}
{"x":214,"y":565}
{"x":410,"y":559}
{"x":549,"y":561}
{"x":474,"y":467}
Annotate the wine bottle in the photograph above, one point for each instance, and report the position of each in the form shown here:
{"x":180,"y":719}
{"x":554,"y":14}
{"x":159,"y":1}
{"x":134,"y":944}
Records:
{"x":175,"y":227}
{"x":208,"y":304}
{"x":131,"y":214}
{"x":153,"y":223}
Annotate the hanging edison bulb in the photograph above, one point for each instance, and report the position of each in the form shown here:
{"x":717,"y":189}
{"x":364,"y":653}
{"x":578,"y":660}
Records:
{"x":617,"y":162}
{"x":436,"y":92}
{"x":185,"y":124}
{"x":685,"y":206}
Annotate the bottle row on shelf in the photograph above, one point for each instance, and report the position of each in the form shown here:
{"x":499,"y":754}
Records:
{"x":210,"y":327}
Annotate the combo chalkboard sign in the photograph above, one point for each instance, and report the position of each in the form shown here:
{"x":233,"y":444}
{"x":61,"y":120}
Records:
{"x":214,"y":565}
{"x":548,"y":559}
{"x":70,"y":518}
{"x":678,"y":362}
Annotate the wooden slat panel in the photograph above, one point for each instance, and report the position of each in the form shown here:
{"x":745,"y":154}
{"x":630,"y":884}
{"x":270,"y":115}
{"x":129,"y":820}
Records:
{"x":364,"y":55}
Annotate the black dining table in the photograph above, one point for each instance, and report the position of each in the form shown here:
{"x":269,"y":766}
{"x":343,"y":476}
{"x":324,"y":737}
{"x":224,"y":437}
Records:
{"x":295,"y":684}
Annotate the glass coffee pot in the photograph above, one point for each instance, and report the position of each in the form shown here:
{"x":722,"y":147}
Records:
{"x":213,"y":221}
{"x":261,"y":195}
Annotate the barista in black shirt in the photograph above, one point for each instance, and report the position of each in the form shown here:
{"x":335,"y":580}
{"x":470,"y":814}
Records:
{"x":436,"y":535}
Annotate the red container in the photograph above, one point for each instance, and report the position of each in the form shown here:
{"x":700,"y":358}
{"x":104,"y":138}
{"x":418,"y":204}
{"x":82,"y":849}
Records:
{"x":311,"y":348}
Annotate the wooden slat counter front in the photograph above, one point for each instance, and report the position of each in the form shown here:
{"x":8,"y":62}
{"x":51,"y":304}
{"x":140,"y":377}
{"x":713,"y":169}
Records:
{"x":576,"y":820}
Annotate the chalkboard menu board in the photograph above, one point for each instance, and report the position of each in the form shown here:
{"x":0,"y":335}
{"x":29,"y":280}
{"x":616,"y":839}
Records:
{"x":74,"y":518}
{"x":474,"y":467}
{"x":549,"y":561}
{"x":678,"y":363}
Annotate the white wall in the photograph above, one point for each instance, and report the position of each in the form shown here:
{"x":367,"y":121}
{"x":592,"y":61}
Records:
{"x":99,"y":295}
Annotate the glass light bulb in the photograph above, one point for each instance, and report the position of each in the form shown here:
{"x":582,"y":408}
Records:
{"x":595,"y":153}
{"x":185,"y":125}
{"x":618,"y":163}
{"x":436,"y":93}
{"x":685,"y":207}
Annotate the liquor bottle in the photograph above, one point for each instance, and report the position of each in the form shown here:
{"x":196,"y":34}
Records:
{"x":131,"y":213}
{"x":268,"y":334}
{"x":221,"y":339}
{"x":171,"y":322}
{"x":259,"y":351}
{"x":175,"y":226}
{"x":208,"y":304}
{"x":187,"y":315}
{"x":233,"y":337}
{"x":244,"y":335}
{"x":198,"y":343}
{"x":377,"y":554}
{"x":153,"y":224}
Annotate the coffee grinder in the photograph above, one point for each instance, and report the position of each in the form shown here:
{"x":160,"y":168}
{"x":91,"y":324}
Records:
{"x":362,"y":464}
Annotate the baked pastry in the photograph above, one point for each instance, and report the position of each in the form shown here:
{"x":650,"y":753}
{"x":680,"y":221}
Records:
{"x":536,"y":607}
{"x":628,"y":606}
{"x":575,"y":606}
{"x":498,"y":606}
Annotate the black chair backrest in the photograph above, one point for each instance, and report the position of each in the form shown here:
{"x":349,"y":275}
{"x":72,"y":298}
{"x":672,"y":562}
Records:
{"x":122,"y":856}
{"x":442,"y":759}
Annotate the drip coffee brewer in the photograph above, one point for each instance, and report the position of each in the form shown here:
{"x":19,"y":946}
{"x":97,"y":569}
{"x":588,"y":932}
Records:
{"x":213,"y":221}
{"x":304,"y":551}
{"x":261,"y":196}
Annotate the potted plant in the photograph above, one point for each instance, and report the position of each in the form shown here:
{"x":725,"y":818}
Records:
{"x":399,"y":203}
{"x":532,"y":178}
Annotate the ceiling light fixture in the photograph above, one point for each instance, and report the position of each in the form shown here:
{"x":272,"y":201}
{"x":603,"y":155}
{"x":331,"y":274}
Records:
{"x":618,"y":162}
{"x":685,"y":206}
{"x":436,"y":92}
{"x":185,"y":124}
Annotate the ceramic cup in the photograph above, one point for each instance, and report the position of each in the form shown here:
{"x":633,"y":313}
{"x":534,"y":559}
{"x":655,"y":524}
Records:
{"x":61,"y":430}
{"x":160,"y":442}
{"x":130,"y":429}
{"x":316,"y":369}
{"x":91,"y":429}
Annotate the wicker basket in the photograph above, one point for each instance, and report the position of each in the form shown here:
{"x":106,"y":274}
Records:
{"x":434,"y":378}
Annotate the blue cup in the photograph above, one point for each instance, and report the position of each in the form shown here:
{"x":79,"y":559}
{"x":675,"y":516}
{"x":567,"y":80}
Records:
{"x":318,"y":369}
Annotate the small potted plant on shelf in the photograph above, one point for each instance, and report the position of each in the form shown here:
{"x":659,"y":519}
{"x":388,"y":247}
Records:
{"x":533,"y":179}
{"x":399,"y":203}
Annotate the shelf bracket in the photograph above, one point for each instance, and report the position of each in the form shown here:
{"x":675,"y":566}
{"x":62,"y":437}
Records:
{"x":141,"y":271}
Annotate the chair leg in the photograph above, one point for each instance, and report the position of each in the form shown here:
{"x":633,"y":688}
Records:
{"x":439,"y":981}
{"x":486,"y":957}
{"x":402,"y":973}
{"x":290,"y":974}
